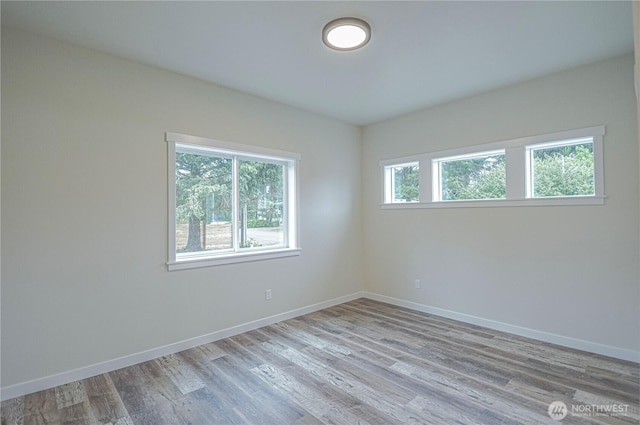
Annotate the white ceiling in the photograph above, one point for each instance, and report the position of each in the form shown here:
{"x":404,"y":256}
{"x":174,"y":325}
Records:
{"x":421,"y":53}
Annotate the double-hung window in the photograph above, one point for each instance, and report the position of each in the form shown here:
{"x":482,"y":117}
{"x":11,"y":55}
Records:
{"x":564,"y":168}
{"x":229,"y":203}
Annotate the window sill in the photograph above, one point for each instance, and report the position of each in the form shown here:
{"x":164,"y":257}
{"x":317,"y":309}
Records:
{"x":529,"y":202}
{"x":192,"y":263}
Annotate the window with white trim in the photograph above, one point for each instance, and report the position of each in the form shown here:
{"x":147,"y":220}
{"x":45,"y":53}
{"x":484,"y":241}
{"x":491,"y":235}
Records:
{"x":229,"y":203}
{"x":564,"y":168}
{"x":467,"y":177}
{"x":401,"y":183}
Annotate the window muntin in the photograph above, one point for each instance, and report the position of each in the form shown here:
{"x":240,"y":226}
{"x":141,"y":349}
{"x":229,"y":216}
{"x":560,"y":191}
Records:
{"x":402,"y":183}
{"x":564,"y":168}
{"x":470,"y":177}
{"x":229,"y":203}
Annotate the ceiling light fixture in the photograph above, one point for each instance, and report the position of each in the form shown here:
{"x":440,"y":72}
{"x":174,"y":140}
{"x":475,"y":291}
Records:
{"x":346,"y":33}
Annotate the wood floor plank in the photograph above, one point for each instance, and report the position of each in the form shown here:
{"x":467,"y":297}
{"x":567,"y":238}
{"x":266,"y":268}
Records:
{"x":335,"y":402}
{"x":180,"y":373}
{"x":105,"y":402}
{"x":307,"y":419}
{"x":229,"y":400}
{"x":273,"y":406}
{"x":386,"y":403}
{"x":12,"y":411}
{"x":510,"y":343}
{"x":323,"y":409}
{"x":450,"y":418}
{"x":123,"y":421}
{"x":247,"y":351}
{"x":78,"y":414}
{"x":494,"y":364}
{"x":41,"y":408}
{"x":215,"y":403}
{"x":488,"y":397}
{"x":362,"y":362}
{"x":312,"y":340}
{"x":70,"y":394}
{"x":141,"y":388}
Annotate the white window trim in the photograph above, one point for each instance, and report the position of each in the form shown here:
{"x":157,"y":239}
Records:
{"x":389,"y":180}
{"x":243,"y":152}
{"x":516,"y":169}
{"x":436,"y":182}
{"x":528,"y":152}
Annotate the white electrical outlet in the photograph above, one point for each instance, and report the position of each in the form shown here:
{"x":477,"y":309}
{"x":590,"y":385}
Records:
{"x":267,"y":294}
{"x":417,"y":283}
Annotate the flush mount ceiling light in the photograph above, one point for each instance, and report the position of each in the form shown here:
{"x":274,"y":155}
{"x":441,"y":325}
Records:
{"x":346,"y":33}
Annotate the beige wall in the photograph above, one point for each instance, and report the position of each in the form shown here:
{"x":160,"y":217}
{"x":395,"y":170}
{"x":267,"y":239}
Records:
{"x":568,"y":271}
{"x":84,"y":209}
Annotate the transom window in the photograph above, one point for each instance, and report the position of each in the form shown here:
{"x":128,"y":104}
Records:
{"x":401,"y":183}
{"x":229,"y":202}
{"x":467,"y":177}
{"x":563,"y":168}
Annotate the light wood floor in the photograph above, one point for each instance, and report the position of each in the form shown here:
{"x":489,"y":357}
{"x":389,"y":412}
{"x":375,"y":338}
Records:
{"x":362,"y":362}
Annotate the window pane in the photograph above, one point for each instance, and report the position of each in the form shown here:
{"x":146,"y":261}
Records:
{"x":261,"y":206}
{"x":402,"y":183}
{"x":563,"y":170}
{"x":203,"y":203}
{"x":479,"y":177}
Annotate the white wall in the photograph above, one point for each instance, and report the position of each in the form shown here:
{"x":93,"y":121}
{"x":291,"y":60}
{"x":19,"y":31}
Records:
{"x":568,"y":271}
{"x":84,"y":216}
{"x":84,"y":209}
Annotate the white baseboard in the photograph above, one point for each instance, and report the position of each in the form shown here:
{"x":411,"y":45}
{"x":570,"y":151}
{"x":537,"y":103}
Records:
{"x":579,"y":344}
{"x":40,"y":384}
{"x":51,"y":381}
